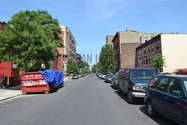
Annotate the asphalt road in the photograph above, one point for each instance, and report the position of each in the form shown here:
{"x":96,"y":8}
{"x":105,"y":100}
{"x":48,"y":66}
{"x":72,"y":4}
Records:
{"x":86,"y":101}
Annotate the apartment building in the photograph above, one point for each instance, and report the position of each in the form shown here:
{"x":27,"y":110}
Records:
{"x":78,"y":58}
{"x":125,"y":44}
{"x":171,"y":46}
{"x":69,"y":42}
{"x":3,"y":26}
{"x":109,"y":39}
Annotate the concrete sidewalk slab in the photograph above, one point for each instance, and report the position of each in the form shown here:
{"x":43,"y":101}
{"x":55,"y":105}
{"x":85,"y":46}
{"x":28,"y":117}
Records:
{"x":8,"y":94}
{"x":67,"y":78}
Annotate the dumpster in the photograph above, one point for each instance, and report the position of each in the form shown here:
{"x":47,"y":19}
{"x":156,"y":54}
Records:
{"x":42,"y":81}
{"x":33,"y":82}
{"x":9,"y":74}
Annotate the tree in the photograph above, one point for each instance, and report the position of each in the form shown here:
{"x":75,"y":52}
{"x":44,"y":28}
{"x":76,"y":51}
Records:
{"x":158,"y":63}
{"x":72,"y":67}
{"x":83,"y":67}
{"x":96,"y":68}
{"x":107,"y":59}
{"x":30,"y":40}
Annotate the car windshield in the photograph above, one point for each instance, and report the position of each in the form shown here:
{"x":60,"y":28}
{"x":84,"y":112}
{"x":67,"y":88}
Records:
{"x":109,"y":75}
{"x":142,"y":74}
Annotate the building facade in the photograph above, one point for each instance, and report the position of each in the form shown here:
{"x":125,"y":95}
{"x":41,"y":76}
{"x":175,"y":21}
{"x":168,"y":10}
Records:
{"x":125,"y":44}
{"x":109,"y":39}
{"x":171,"y":46}
{"x":3,"y":26}
{"x":69,"y":42}
{"x":78,"y":58}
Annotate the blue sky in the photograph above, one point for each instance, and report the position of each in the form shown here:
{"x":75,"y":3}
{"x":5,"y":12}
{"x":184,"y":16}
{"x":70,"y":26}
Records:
{"x":91,"y":20}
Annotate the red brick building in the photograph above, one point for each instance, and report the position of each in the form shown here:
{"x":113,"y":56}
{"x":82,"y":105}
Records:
{"x":3,"y":26}
{"x":125,"y":44}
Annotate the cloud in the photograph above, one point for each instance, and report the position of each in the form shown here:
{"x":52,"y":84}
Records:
{"x":159,"y":1}
{"x":104,"y":9}
{"x":109,"y":14}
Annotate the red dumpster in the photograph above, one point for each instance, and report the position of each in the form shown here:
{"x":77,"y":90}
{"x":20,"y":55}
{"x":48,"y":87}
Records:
{"x":34,"y":82}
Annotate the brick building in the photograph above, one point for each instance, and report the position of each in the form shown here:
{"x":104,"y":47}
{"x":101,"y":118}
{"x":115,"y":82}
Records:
{"x":109,"y":39}
{"x":125,"y":44}
{"x":3,"y":26}
{"x":172,"y":46}
{"x":69,"y":42}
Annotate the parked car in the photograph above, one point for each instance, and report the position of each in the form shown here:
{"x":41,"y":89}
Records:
{"x":108,"y":78}
{"x":165,"y":73}
{"x":181,"y":71}
{"x":133,"y":82}
{"x":75,"y":76}
{"x":167,"y":95}
{"x":99,"y":74}
{"x":80,"y":75}
{"x":114,"y":83}
{"x":102,"y":75}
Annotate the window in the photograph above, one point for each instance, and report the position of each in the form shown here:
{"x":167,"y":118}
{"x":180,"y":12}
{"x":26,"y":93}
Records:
{"x":153,"y":82}
{"x":142,"y":73}
{"x":162,"y":85}
{"x":152,"y":49}
{"x":146,"y":61}
{"x":174,"y":87}
{"x":149,"y":60}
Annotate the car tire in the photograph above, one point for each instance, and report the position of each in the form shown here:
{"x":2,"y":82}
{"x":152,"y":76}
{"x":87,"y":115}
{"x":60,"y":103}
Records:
{"x":119,"y":91}
{"x":150,"y":109}
{"x":130,"y":98}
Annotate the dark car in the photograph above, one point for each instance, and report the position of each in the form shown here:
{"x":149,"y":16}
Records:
{"x":133,"y":82}
{"x":167,"y":95}
{"x":114,"y":82}
{"x":108,"y":78}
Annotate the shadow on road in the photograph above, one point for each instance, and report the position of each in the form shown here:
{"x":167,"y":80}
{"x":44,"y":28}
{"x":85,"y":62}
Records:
{"x":51,"y":91}
{"x":124,"y":97}
{"x":160,"y":119}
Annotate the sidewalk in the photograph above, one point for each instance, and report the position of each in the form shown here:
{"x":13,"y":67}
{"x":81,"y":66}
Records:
{"x":67,"y":78}
{"x":15,"y":91}
{"x":9,"y":93}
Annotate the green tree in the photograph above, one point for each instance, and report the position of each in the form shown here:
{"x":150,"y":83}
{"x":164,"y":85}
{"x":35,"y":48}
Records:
{"x":96,"y":68}
{"x":30,"y":40}
{"x":158,"y":63}
{"x":107,"y":60}
{"x":85,"y":70}
{"x":72,"y":67}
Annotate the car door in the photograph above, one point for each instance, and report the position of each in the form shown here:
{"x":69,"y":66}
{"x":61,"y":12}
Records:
{"x":174,"y":101}
{"x":126,"y":81}
{"x":159,"y":93}
{"x":120,"y":79}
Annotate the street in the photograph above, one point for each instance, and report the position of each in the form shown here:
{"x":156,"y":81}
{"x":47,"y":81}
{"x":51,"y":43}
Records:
{"x":85,"y":101}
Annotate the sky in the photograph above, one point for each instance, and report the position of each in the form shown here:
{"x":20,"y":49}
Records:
{"x":91,"y":20}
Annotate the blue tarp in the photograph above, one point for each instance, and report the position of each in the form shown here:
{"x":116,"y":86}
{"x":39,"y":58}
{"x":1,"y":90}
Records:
{"x":53,"y":78}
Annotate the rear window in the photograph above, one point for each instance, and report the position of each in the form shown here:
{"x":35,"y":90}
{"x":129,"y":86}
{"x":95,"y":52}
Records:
{"x":142,"y":74}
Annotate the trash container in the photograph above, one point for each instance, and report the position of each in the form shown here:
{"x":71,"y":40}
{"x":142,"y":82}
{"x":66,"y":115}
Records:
{"x":33,"y":82}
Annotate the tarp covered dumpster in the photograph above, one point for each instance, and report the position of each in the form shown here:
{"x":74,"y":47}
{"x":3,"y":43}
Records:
{"x":54,"y":78}
{"x":42,"y":81}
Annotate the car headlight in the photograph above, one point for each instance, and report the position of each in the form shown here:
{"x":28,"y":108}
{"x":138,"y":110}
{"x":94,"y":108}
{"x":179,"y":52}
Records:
{"x":137,"y":88}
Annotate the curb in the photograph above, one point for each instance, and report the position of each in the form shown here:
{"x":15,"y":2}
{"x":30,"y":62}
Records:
{"x":10,"y":97}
